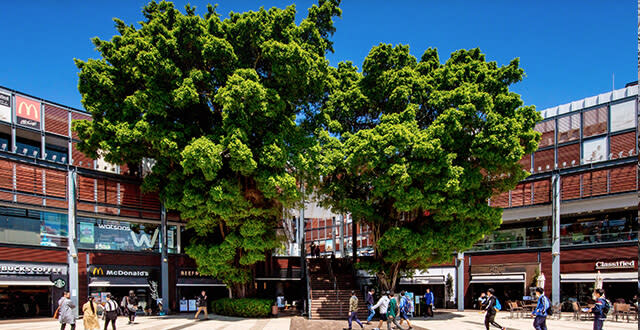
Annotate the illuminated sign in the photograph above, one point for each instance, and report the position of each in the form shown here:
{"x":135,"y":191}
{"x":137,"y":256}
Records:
{"x":105,"y":270}
{"x":618,"y":264}
{"x":32,"y":269}
{"x":27,"y":112}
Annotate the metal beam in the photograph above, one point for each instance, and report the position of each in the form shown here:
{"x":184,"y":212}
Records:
{"x":72,"y":249}
{"x":460,"y":281}
{"x":164,"y":265}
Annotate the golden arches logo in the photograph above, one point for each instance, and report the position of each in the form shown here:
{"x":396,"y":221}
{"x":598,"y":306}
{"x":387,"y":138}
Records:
{"x":97,"y":271}
{"x":24,"y":106}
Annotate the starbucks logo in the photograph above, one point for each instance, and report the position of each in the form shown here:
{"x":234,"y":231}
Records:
{"x":59,"y":283}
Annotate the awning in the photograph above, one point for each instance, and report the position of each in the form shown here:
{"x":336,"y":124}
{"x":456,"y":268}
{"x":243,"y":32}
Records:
{"x":26,"y":283}
{"x":136,"y":282}
{"x":606,"y":277}
{"x":278,"y":279}
{"x":200,"y":284}
{"x":434,"y":279}
{"x":502,"y":278}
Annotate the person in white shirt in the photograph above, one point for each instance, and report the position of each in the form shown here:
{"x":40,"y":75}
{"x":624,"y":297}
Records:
{"x":110,"y":313}
{"x":383,"y":303}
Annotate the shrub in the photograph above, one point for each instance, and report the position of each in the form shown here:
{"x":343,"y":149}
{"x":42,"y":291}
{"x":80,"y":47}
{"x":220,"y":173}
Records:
{"x":244,"y":307}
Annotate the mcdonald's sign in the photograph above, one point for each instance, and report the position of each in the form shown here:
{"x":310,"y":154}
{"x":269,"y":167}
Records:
{"x":27,"y":112}
{"x":96,"y":271}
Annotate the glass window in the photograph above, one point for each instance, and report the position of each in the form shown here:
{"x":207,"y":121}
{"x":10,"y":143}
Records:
{"x":5,"y":142}
{"x":548,"y":130}
{"x":56,"y":154}
{"x":594,"y":122}
{"x":517,"y":235}
{"x":27,"y":148}
{"x":623,"y":116}
{"x":569,"y":128}
{"x":598,"y":228}
{"x":594,"y":150}
{"x":19,"y":226}
{"x":101,"y":234}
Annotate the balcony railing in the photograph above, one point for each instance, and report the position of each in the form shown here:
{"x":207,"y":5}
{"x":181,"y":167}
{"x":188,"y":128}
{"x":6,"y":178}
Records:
{"x":568,"y":240}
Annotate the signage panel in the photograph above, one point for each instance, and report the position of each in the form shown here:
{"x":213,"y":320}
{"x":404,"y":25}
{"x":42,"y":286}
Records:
{"x":27,"y":112}
{"x":16,"y":268}
{"x":5,"y":107}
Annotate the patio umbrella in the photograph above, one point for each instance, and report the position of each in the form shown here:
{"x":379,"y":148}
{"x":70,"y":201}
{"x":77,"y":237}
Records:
{"x":541,"y":280}
{"x":598,"y":280}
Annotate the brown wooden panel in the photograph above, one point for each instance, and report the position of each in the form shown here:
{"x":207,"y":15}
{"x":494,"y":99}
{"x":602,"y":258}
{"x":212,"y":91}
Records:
{"x":623,"y":178}
{"x":86,"y":189}
{"x":80,"y":159}
{"x":548,"y":130}
{"x":28,"y":179}
{"x":622,"y":145}
{"x":569,"y":155}
{"x":569,"y":128}
{"x":6,"y":174}
{"x":33,"y":254}
{"x":594,"y":183}
{"x":501,"y":200}
{"x":542,"y":159}
{"x":570,"y":187}
{"x":56,"y":183}
{"x":56,"y":120}
{"x":594,"y":121}
{"x":78,"y":116}
{"x":542,"y":191}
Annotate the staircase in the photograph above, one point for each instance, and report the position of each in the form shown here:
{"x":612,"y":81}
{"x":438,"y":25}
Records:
{"x":330,"y":289}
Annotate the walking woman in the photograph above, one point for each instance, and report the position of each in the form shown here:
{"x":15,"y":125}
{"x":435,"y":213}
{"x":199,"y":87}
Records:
{"x":110,"y":313}
{"x":90,"y":315}
{"x":65,"y":311}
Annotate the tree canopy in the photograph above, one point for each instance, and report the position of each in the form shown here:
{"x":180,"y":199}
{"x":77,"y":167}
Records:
{"x":418,"y":147}
{"x":224,"y":109}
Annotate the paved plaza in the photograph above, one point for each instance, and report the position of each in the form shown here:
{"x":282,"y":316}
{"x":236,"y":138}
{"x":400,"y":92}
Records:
{"x":445,"y":320}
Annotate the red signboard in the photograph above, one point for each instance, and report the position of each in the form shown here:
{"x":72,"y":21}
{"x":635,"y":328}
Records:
{"x":27,"y":112}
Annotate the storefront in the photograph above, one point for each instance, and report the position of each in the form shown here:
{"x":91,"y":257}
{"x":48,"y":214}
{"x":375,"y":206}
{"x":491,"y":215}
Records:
{"x":440,"y":280}
{"x":619,"y":280}
{"x":191,"y":283}
{"x":30,"y":289}
{"x":510,"y":281}
{"x":119,"y":280}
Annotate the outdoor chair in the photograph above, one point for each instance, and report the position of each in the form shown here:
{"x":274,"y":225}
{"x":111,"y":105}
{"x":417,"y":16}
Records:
{"x":514,"y":308}
{"x":622,"y":310}
{"x":557,"y":311}
{"x":577,"y":311}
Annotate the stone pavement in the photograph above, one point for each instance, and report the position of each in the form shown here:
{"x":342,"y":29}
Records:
{"x":448,"y":320}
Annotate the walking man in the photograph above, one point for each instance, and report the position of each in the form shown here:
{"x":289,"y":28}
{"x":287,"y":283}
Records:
{"x":392,"y":313}
{"x":353,"y":310}
{"x":491,"y":310}
{"x":540,"y":313}
{"x":405,"y":308}
{"x":429,"y":300}
{"x":383,"y":304}
{"x":370,"y":303}
{"x":202,"y":305}
{"x":65,"y":312}
{"x":131,"y":306}
{"x":110,"y":313}
{"x":600,"y":309}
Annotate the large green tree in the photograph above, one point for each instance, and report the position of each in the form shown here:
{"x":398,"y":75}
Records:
{"x":416,"y":148}
{"x":225,"y":108}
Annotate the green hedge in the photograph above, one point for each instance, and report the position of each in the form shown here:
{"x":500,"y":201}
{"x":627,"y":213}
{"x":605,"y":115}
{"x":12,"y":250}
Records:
{"x":244,"y":307}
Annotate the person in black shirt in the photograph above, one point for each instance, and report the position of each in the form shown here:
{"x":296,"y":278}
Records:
{"x":490,"y":308}
{"x":202,"y":305}
{"x":131,"y":306}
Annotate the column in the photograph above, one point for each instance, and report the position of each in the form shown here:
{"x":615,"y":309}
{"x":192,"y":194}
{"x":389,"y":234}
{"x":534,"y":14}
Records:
{"x":164,"y":266}
{"x":555,"y":248}
{"x":72,"y":250}
{"x":341,"y":224}
{"x":460,"y":281}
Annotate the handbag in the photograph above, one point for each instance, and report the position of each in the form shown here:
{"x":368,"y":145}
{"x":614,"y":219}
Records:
{"x":56,"y":313}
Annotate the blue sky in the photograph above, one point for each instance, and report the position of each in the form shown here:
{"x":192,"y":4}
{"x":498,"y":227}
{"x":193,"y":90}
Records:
{"x":569,"y":49}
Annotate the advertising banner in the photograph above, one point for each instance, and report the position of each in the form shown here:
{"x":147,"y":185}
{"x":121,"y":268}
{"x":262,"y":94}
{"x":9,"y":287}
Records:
{"x":86,"y":233}
{"x":595,"y":150}
{"x":5,"y":107}
{"x":27,"y":112}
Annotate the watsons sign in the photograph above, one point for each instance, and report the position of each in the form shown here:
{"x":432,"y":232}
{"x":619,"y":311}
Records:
{"x":32,"y":269}
{"x":618,"y":264}
{"x":114,"y":227}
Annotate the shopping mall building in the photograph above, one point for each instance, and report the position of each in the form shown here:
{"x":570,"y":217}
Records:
{"x":69,"y":222}
{"x":589,"y":152}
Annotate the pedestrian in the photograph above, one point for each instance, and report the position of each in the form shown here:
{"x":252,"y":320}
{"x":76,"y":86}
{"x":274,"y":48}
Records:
{"x":312,"y":247}
{"x":202,"y":305}
{"x":353,"y":310}
{"x":482,"y":301}
{"x":491,"y":310}
{"x":405,"y":308}
{"x":131,"y":306}
{"x":110,"y":313}
{"x":317,"y":251}
{"x":540,"y":313}
{"x":600,"y":309}
{"x":429,"y":300}
{"x":90,"y":315}
{"x":65,"y":311}
{"x":383,"y":304}
{"x":370,"y":303}
{"x":392,"y":313}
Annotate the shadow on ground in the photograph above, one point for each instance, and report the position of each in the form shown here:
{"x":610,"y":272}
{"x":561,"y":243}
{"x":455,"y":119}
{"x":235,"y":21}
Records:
{"x":300,"y":323}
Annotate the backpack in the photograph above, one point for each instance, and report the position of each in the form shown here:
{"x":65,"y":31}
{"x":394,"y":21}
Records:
{"x":497,"y":306}
{"x":549,"y":310}
{"x":407,"y":306}
{"x":606,"y":307}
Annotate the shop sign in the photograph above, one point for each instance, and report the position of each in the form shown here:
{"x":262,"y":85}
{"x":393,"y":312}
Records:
{"x":27,"y":112}
{"x":115,"y":271}
{"x":5,"y":107}
{"x":190,"y":273}
{"x":618,"y":264}
{"x":496,"y":269}
{"x":32,"y":269}
{"x":59,"y":283}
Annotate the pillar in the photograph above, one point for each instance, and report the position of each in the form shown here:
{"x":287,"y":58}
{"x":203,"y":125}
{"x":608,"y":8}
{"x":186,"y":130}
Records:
{"x":555,"y":248}
{"x":460,"y":282}
{"x":72,"y":249}
{"x":164,"y":265}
